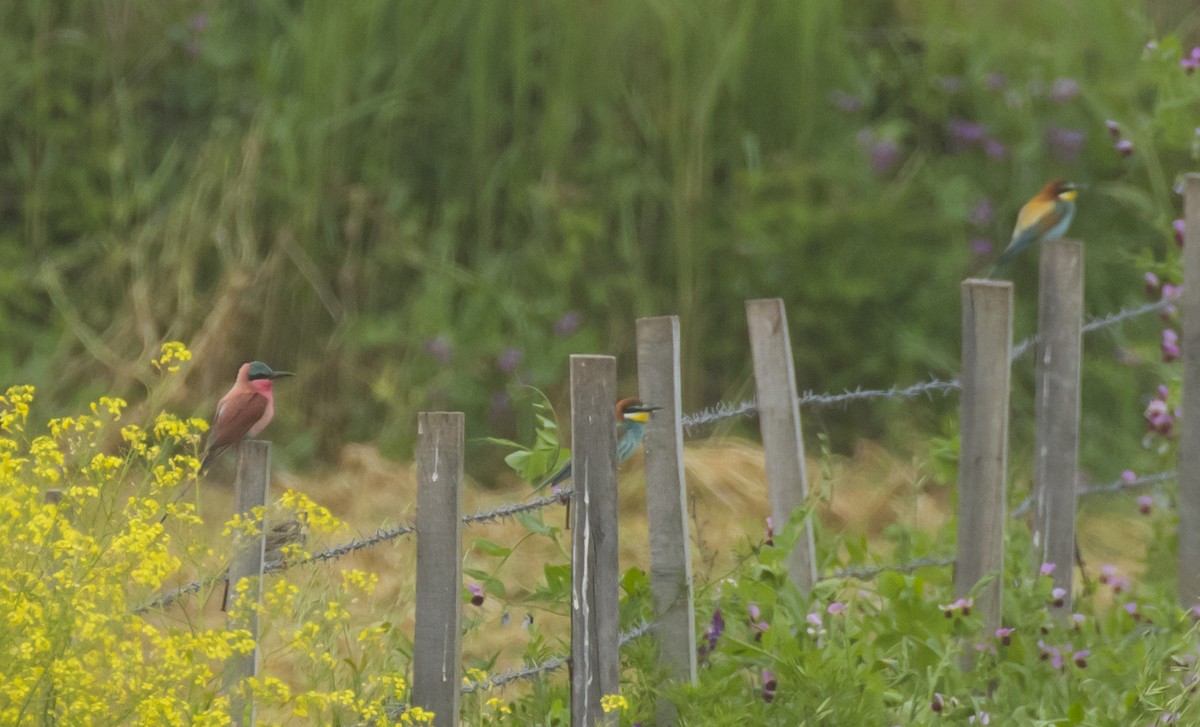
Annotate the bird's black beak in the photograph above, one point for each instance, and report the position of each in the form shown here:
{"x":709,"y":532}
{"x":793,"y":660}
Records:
{"x":643,"y":408}
{"x":280,"y":374}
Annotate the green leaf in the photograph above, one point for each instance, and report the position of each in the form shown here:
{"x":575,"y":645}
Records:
{"x":487,"y":547}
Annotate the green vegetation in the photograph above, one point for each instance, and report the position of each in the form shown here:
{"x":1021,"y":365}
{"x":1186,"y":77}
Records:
{"x":416,"y":205}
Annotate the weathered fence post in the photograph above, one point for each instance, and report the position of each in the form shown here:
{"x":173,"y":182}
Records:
{"x":1189,"y":429}
{"x":250,"y":491}
{"x":983,"y":455}
{"x":666,"y":505}
{"x":1056,"y":455}
{"x":779,"y":421}
{"x":437,"y":639}
{"x":595,"y":576}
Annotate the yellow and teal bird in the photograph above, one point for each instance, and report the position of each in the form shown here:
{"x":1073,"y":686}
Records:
{"x":1045,"y":217}
{"x":632,"y":415}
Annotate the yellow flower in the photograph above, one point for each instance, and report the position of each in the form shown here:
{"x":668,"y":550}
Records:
{"x":613,"y":703}
{"x":173,"y":354}
{"x":499,"y":705}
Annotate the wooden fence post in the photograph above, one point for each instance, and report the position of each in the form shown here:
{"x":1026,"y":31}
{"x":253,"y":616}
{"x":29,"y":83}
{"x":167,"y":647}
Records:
{"x":250,"y":491}
{"x":983,"y":455}
{"x":666,"y":506}
{"x":437,"y":641}
{"x":595,"y":575}
{"x":779,"y":421}
{"x":1189,"y":429}
{"x":1056,"y":450}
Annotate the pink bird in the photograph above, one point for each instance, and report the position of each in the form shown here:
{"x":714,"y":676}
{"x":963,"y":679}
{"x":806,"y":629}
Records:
{"x":244,"y":411}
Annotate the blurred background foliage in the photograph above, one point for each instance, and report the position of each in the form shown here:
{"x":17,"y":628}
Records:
{"x":426,"y":204}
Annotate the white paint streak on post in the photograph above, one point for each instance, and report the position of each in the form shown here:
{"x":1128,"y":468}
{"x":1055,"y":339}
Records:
{"x":1189,"y":425}
{"x":250,"y":492}
{"x":437,"y":638}
{"x":1056,"y":454}
{"x":779,"y":422}
{"x":666,"y":505}
{"x":595,"y":573}
{"x":983,"y":457}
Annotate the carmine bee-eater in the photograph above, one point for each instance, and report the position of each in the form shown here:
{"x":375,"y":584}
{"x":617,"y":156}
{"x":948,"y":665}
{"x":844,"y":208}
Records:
{"x":244,"y":411}
{"x":632,"y":416}
{"x":1045,"y":217}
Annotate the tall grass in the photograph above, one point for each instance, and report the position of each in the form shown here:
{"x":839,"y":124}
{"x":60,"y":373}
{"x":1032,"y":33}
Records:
{"x":388,"y":196}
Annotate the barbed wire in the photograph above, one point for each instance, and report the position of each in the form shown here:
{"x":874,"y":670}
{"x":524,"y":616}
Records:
{"x":866,"y":573}
{"x":945,"y":387}
{"x":552,"y":663}
{"x":507,"y":510}
{"x":1111,"y":487}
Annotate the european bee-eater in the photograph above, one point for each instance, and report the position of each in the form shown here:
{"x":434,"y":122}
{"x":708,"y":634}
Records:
{"x":1045,"y":217}
{"x":244,"y":411}
{"x":632,"y":416}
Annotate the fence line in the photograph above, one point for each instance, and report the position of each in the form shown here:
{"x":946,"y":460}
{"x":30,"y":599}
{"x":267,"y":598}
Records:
{"x":501,"y":512}
{"x":552,"y":663}
{"x":945,"y":387}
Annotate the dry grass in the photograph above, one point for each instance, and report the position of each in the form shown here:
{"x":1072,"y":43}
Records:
{"x":859,"y":495}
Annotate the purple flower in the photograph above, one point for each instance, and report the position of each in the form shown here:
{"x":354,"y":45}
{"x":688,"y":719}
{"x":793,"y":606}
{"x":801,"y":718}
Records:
{"x":770,"y":530}
{"x":938,"y":703}
{"x":1064,"y":89}
{"x":1110,"y":577}
{"x":1004,"y":635}
{"x":1178,"y":227}
{"x":476,"y":594}
{"x":198,"y":23}
{"x":1080,"y":658}
{"x":768,"y":680}
{"x":1158,"y":417}
{"x":439,"y":348}
{"x":995,"y":81}
{"x":835,"y":608}
{"x":964,"y":134}
{"x":981,"y":246}
{"x":995,"y":149}
{"x":845,"y":102}
{"x":1145,"y":504}
{"x":1058,"y":597}
{"x":1125,"y":147}
{"x":756,"y":621}
{"x":982,"y":213}
{"x":1114,"y":129}
{"x":1047,"y":570}
{"x":1191,"y":62}
{"x":1066,"y":144}
{"x":1152,"y":284}
{"x":1171,"y":292}
{"x":1170,"y":345}
{"x":814,"y":619}
{"x":885,"y":154}
{"x":1162,"y":392}
{"x":1128,"y":477}
{"x":510,"y":359}
{"x":963,"y":604}
{"x":568,"y":324}
{"x":1131,"y":608}
{"x":984,"y":718}
{"x":712,"y":633}
{"x":500,"y":407}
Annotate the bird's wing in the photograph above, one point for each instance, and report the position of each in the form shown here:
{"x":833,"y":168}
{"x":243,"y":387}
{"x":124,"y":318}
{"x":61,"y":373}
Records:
{"x":234,"y":418}
{"x":1036,"y":218}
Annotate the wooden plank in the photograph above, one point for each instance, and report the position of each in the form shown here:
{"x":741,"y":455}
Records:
{"x":1056,"y":449}
{"x":437,"y":643}
{"x":779,"y":422}
{"x":595,"y":575}
{"x":1189,"y":429}
{"x":666,"y":506}
{"x":983,"y":456}
{"x":250,"y":492}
